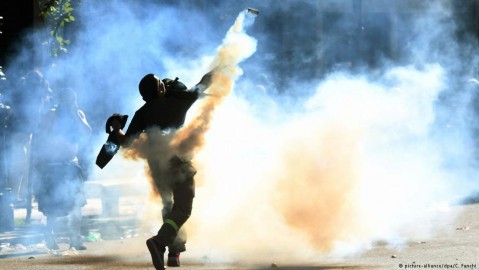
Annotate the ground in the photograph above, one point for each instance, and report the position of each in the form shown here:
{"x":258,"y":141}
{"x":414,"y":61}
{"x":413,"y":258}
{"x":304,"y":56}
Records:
{"x":453,"y":247}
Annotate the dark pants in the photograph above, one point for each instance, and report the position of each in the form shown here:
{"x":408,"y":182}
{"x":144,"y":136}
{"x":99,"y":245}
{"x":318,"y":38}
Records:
{"x":176,"y":187}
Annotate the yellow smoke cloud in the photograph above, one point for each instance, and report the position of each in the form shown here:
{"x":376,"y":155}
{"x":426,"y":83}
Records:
{"x":317,"y":182}
{"x":355,"y":166}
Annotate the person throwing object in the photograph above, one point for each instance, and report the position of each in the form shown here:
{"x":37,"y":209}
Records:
{"x":166,"y":105}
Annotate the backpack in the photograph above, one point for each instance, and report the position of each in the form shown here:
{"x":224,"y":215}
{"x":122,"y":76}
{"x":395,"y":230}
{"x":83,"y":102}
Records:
{"x":174,"y":85}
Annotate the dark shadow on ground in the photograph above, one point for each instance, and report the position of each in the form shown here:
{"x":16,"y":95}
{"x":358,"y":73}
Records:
{"x":22,"y":254}
{"x":101,"y":262}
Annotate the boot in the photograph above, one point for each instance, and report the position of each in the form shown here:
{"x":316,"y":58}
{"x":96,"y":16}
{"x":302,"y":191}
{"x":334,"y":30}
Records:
{"x":157,"y":251}
{"x":173,"y":259}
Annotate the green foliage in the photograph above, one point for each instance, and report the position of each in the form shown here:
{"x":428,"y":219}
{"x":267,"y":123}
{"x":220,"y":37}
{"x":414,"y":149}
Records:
{"x":57,"y":15}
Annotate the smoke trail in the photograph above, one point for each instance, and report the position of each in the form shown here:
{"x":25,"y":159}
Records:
{"x":237,"y":46}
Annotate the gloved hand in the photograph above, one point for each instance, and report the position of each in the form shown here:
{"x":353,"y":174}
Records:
{"x":115,"y":122}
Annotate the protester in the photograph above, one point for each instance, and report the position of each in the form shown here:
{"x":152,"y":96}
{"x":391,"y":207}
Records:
{"x":60,"y":181}
{"x":162,"y":114}
{"x":29,"y":99}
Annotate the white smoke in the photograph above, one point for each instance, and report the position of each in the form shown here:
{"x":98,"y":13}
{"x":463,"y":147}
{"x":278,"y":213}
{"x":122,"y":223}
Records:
{"x":364,"y":159}
{"x":354,"y":158}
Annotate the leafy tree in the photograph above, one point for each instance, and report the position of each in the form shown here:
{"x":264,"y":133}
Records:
{"x":57,"y":14}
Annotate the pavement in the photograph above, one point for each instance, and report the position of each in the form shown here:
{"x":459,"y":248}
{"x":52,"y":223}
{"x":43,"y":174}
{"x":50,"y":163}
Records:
{"x":454,"y":246}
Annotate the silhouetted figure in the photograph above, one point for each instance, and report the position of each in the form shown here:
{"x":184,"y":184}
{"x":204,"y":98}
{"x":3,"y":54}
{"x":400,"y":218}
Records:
{"x":163,"y":113}
{"x":60,"y":182}
{"x":29,"y":99}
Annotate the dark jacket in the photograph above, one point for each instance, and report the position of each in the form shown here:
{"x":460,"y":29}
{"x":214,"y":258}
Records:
{"x":168,"y":112}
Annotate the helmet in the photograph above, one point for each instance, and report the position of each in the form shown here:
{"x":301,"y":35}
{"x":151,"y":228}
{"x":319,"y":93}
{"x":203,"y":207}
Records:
{"x":148,"y":87}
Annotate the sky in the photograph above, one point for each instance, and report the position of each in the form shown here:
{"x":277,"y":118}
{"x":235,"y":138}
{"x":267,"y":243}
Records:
{"x":327,"y":129}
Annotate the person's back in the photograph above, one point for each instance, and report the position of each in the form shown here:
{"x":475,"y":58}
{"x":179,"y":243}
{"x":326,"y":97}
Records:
{"x":162,"y":112}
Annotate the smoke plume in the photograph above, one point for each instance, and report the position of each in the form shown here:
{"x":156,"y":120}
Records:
{"x":237,"y":46}
{"x":308,"y":144}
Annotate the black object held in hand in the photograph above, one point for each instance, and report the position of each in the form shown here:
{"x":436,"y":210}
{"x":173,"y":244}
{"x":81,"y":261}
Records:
{"x":111,"y":146}
{"x":108,"y":151}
